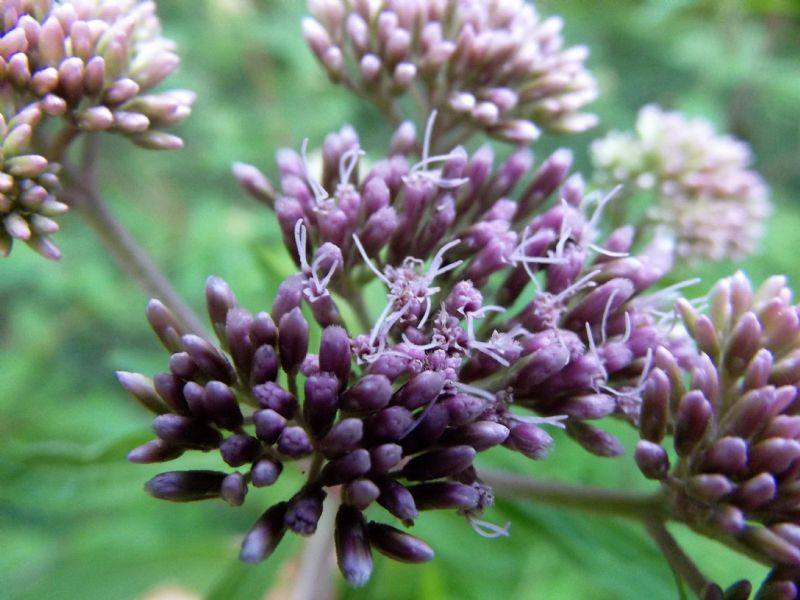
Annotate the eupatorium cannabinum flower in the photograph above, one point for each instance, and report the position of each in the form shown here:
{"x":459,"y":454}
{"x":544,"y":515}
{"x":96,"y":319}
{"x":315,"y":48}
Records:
{"x":704,"y":189}
{"x":70,"y":67}
{"x":734,"y":423}
{"x":492,"y":66}
{"x":395,"y":411}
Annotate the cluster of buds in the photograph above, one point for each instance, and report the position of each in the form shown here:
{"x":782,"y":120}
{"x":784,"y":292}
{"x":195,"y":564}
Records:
{"x":404,"y":442}
{"x":734,"y":422}
{"x":580,"y":339}
{"x":780,"y":584}
{"x":705,"y":192}
{"x":70,"y":67}
{"x":491,"y":66}
{"x":28,"y":182}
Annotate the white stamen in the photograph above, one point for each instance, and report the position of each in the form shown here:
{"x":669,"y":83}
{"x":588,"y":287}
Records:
{"x":593,"y":351}
{"x":604,"y":321}
{"x":369,"y":262}
{"x":320,"y":195}
{"x":488,"y":530}
{"x":475,"y":391}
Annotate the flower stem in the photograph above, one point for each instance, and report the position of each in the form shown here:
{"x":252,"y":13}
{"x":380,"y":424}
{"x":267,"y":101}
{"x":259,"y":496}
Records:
{"x":81,"y":193}
{"x":681,"y":564}
{"x":632,"y":505}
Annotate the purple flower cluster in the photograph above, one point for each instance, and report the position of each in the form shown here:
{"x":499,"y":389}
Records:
{"x":491,"y":66}
{"x":455,"y":250}
{"x":734,"y":422}
{"x":67,"y":68}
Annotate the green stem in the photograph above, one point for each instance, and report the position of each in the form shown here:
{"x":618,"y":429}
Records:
{"x":680,"y":562}
{"x":81,"y":194}
{"x":631,"y":505}
{"x":355,"y":299}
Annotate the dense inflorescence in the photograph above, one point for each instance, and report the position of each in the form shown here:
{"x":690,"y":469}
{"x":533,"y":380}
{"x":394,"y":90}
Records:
{"x":554,"y":314}
{"x":491,"y":66}
{"x":705,"y":191}
{"x":734,"y":423}
{"x":73,"y":67}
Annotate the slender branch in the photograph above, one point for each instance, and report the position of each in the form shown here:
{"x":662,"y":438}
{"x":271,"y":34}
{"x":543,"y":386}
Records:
{"x":84,"y":197}
{"x":676,"y":557}
{"x":314,"y":580}
{"x":355,"y":299}
{"x":632,"y":505}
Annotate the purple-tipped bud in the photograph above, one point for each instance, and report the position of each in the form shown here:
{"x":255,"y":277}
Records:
{"x":208,"y":359}
{"x":397,"y":544}
{"x":183,"y":366}
{"x":481,"y":435}
{"x":691,"y":421}
{"x":294,"y":442}
{"x":254,"y":182}
{"x":652,"y":459}
{"x":185,"y":486}
{"x":269,"y":425}
{"x":169,"y":387}
{"x":353,"y":551}
{"x":271,"y":395}
{"x":709,"y":488}
{"x":744,"y":342}
{"x":462,"y":409}
{"x":550,"y":175}
{"x":444,"y":494}
{"x":142,"y":388}
{"x":263,"y":330}
{"x":595,"y":440}
{"x":165,"y":325}
{"x":289,"y":294}
{"x":370,"y":393}
{"x":420,"y":391}
{"x":154,"y":451}
{"x":588,"y":406}
{"x":334,"y":353}
{"x":361,"y":493}
{"x":756,"y":492}
{"x":385,"y":457}
{"x":303,"y":511}
{"x":655,"y":406}
{"x":186,"y":432}
{"x":237,"y":335}
{"x":390,"y":424}
{"x":292,"y":340}
{"x":239,"y":449}
{"x":321,"y":402}
{"x":775,"y":455}
{"x":219,"y":300}
{"x":346,"y":468}
{"x":265,"y":472}
{"x":265,"y":535}
{"x":426,"y":430}
{"x":343,"y":437}
{"x":264,"y":365}
{"x":727,"y":455}
{"x":195,"y":396}
{"x":234,"y":489}
{"x":221,"y":405}
{"x":530,"y":440}
{"x":396,"y":498}
{"x":439,"y":463}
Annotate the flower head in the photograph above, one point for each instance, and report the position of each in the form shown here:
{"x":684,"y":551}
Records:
{"x":72,"y":67}
{"x":733,"y":422}
{"x":705,"y":192}
{"x":527,"y":81}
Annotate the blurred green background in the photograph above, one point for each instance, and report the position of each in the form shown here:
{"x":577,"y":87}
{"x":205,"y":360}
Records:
{"x":74,"y":521}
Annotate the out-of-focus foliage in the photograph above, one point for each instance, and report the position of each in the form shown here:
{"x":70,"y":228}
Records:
{"x":73,"y":518}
